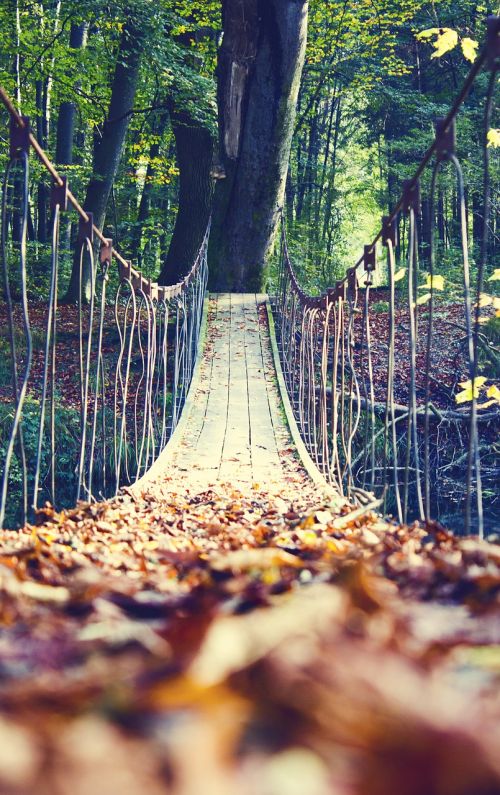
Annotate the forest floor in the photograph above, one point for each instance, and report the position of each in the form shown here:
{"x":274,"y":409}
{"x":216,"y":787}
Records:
{"x":448,"y":361}
{"x":245,"y":637}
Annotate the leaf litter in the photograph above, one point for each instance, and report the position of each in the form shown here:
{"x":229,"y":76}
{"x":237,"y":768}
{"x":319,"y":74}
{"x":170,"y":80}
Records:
{"x":241,"y":640}
{"x":254,"y":640}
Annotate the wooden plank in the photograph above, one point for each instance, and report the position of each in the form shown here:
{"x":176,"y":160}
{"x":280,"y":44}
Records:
{"x":235,"y":429}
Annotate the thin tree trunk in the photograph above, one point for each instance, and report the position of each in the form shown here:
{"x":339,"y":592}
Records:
{"x":67,"y":110}
{"x":109,"y":141}
{"x":158,"y":129}
{"x":42,"y":192}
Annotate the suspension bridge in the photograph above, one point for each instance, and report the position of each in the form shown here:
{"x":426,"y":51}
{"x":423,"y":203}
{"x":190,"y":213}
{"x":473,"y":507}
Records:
{"x":364,"y":390}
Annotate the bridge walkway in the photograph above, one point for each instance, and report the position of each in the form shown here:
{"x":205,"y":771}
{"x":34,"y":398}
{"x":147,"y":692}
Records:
{"x":234,"y":429}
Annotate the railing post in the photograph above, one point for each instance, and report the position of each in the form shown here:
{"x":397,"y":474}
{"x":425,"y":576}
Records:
{"x":411,"y":196}
{"x":445,"y":138}
{"x":493,"y":42}
{"x":86,"y":229}
{"x":19,"y":137}
{"x":59,"y":195}
{"x":389,"y":230}
{"x":106,"y":252}
{"x":370,"y":259}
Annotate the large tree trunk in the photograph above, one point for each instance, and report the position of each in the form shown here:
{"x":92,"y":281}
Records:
{"x":109,"y":141}
{"x":259,"y":71}
{"x":194,"y":146}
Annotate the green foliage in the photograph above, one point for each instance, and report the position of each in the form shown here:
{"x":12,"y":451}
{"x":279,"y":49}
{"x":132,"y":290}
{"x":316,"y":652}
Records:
{"x":370,"y":92}
{"x":67,"y":447}
{"x":370,"y":95}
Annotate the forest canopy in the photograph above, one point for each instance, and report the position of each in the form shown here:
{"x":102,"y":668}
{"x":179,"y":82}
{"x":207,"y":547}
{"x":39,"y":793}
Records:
{"x":124,"y":98}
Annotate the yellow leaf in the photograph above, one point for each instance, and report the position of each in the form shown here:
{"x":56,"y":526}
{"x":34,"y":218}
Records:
{"x":479,"y":381}
{"x":400,"y":274}
{"x":495,"y":276}
{"x":469,"y":49}
{"x":493,"y":137}
{"x":308,"y":537}
{"x":468,"y":393}
{"x":446,"y":40}
{"x":423,"y":299}
{"x":484,"y":300}
{"x":494,"y":392}
{"x":425,"y":35}
{"x":433,"y":283}
{"x":485,"y":405}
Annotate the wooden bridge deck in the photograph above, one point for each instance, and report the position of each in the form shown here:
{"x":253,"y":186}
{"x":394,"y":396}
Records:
{"x":234,"y":431}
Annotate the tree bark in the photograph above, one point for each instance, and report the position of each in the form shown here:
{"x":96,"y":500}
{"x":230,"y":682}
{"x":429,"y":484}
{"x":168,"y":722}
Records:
{"x":259,"y":70}
{"x":109,"y":141}
{"x":195,"y":148}
{"x":67,"y":110}
{"x":42,"y":191}
{"x":157,"y":129}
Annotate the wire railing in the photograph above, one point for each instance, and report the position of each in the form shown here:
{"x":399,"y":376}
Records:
{"x":89,"y":393}
{"x":377,"y":399}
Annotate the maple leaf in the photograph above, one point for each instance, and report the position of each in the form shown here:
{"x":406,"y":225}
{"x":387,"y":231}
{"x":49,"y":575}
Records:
{"x":493,"y":137}
{"x":468,"y":393}
{"x":400,"y":274}
{"x":495,"y":276}
{"x":433,"y":283}
{"x":423,"y":299}
{"x":446,"y":40}
{"x":426,"y":35}
{"x":493,"y":392}
{"x":469,"y":49}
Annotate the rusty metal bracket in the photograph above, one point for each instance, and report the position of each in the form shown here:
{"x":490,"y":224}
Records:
{"x":445,"y":138}
{"x":19,"y":137}
{"x":153,"y":290}
{"x":149,"y":288}
{"x":411,"y":196}
{"x":106,"y":252}
{"x":338,"y":293}
{"x":389,"y":230}
{"x":105,"y":257}
{"x":370,"y":259}
{"x":493,"y":42}
{"x":59,"y":195}
{"x":126,"y":270}
{"x":86,"y":229}
{"x":146,"y":287}
{"x":352,"y":284}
